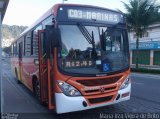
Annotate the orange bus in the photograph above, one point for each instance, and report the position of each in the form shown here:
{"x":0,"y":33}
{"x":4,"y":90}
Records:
{"x":75,"y":57}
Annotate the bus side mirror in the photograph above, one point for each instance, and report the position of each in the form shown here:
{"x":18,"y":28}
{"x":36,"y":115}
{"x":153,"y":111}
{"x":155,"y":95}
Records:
{"x":53,"y":36}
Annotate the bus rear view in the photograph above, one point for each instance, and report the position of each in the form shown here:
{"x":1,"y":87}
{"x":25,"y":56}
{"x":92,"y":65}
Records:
{"x":83,"y":58}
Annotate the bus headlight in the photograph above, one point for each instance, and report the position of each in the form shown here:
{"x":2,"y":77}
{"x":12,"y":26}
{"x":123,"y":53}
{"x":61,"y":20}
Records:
{"x":126,"y":82}
{"x":68,"y":89}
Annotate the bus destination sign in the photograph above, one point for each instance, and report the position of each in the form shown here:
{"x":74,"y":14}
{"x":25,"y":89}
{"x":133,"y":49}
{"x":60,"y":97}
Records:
{"x":94,"y":15}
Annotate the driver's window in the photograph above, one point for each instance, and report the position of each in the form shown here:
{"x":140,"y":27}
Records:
{"x":117,"y":41}
{"x":112,"y":39}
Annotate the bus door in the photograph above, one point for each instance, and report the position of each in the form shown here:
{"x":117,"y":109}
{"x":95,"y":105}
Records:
{"x":45,"y":79}
{"x":20,"y":49}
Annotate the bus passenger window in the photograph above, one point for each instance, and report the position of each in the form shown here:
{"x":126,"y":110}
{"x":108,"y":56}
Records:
{"x":35,"y":40}
{"x":15,"y":49}
{"x":12,"y":50}
{"x":24,"y":45}
{"x":28,"y":44}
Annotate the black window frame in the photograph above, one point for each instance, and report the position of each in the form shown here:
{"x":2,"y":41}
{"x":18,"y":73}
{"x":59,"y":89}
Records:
{"x":24,"y":43}
{"x":31,"y":43}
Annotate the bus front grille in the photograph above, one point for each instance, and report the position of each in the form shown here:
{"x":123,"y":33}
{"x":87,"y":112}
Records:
{"x":98,"y":90}
{"x":100,"y":100}
{"x":99,"y":82}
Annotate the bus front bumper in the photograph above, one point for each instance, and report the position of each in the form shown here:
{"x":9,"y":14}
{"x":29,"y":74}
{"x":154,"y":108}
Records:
{"x":66,"y":104}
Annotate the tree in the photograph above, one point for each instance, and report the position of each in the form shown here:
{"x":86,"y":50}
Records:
{"x":13,"y":31}
{"x":140,"y":14}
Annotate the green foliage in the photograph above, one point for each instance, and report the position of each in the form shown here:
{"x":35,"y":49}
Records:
{"x":14,"y":31}
{"x":141,"y":13}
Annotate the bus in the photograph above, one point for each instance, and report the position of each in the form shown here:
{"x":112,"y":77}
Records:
{"x":75,"y":57}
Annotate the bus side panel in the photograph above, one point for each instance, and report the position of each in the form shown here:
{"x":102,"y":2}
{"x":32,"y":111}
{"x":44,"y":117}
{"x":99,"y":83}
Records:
{"x":29,"y":69}
{"x":15,"y":66}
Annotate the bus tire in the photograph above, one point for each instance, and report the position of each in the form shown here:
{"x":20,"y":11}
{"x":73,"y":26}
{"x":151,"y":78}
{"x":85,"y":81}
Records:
{"x":36,"y":88}
{"x":16,"y":73}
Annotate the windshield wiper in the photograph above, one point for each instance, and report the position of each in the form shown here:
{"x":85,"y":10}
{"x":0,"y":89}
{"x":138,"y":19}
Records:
{"x":103,"y":42}
{"x":88,"y":36}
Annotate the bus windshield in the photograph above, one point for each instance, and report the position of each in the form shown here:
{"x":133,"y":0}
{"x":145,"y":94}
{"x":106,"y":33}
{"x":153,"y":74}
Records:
{"x":92,"y":49}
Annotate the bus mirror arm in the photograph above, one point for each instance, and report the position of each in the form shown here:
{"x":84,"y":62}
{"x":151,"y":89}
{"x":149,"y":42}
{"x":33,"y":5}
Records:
{"x":56,"y":38}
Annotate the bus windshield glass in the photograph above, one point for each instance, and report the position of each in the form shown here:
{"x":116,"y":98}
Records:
{"x":92,"y":49}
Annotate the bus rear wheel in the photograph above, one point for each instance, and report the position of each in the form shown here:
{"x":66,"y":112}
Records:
{"x":37,"y":89}
{"x":18,"y":81}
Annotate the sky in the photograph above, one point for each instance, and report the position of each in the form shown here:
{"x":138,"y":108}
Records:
{"x":25,"y":12}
